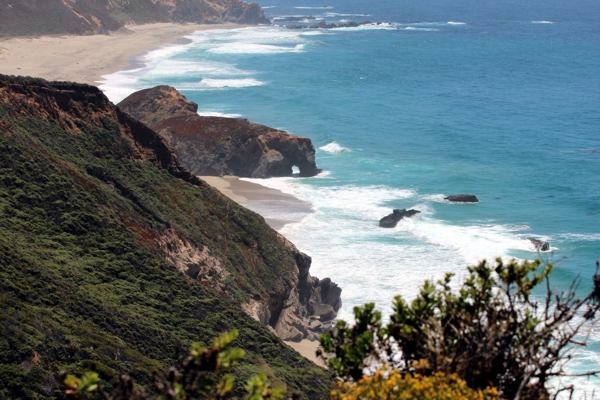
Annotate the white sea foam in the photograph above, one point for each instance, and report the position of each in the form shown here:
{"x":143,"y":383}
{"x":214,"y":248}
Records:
{"x":263,"y":7}
{"x":253,"y":48}
{"x":542,"y":22}
{"x":592,"y":237}
{"x":375,"y":264}
{"x":380,"y":25}
{"x":334,"y":148}
{"x":224,"y":83}
{"x":332,"y":14}
{"x":413,"y":28}
{"x":211,"y":113}
{"x":456,"y":23}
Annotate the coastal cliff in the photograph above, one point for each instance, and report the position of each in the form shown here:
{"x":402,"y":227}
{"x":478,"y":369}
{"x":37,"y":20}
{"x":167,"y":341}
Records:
{"x":87,"y":17}
{"x":111,"y":252}
{"x":216,"y":145}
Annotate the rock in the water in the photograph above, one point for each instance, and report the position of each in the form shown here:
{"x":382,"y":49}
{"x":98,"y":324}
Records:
{"x":462,"y":198}
{"x":392,"y":220}
{"x":220,"y":146}
{"x":540,"y":245}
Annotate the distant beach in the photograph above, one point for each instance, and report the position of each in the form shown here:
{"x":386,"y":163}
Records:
{"x":86,"y":59}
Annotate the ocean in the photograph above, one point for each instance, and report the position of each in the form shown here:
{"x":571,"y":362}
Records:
{"x":496,"y":99}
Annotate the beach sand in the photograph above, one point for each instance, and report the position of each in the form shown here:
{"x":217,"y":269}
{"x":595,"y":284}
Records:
{"x":307,"y":349}
{"x":85,"y":59}
{"x":272,"y":204}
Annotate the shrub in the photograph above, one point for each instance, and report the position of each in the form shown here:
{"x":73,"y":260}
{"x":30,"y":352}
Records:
{"x":490,"y":333}
{"x":201,"y":374}
{"x":393,"y":384}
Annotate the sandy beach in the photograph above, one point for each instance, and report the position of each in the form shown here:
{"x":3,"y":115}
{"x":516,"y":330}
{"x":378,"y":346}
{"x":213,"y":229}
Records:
{"x":86,"y":58}
{"x":276,"y":207}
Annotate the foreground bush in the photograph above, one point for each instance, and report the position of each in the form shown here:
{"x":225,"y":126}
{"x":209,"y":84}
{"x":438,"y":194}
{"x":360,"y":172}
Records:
{"x":386,"y":384}
{"x":489,"y":333}
{"x":202,"y":374}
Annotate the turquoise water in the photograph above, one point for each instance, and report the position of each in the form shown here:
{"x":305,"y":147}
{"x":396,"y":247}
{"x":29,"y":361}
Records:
{"x":497,"y":99}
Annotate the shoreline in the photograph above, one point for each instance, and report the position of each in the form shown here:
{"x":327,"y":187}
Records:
{"x":85,"y":59}
{"x":272,"y":204}
{"x":250,"y":194}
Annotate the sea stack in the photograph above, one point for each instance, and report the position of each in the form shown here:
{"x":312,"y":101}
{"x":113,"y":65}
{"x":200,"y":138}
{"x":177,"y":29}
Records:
{"x":540,"y":245}
{"x":462,"y":198}
{"x":391,"y":220}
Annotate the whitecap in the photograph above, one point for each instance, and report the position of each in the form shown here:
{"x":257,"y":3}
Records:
{"x":211,"y":113}
{"x":314,"y":8}
{"x":456,"y":23}
{"x":412,"y":28}
{"x":209,"y":83}
{"x":380,"y":25}
{"x":591,"y":237}
{"x":334,"y":148}
{"x":252,"y":48}
{"x":542,"y":22}
{"x":332,"y":14}
{"x":438,"y":197}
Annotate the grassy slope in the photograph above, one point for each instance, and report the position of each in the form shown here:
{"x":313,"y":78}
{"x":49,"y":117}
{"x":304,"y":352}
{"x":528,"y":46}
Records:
{"x":81,"y":281}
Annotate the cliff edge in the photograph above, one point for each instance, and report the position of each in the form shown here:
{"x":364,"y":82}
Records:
{"x":220,"y":146}
{"x":111,"y":252}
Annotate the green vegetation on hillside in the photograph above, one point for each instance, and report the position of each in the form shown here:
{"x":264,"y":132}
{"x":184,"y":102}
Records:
{"x":82,"y":280}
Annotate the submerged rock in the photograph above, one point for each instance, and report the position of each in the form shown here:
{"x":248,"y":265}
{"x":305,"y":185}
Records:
{"x":462,"y":198}
{"x":392,"y":220}
{"x":220,"y":146}
{"x":540,"y":245}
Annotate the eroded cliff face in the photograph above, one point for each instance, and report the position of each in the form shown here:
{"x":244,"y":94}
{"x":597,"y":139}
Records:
{"x":25,"y":17}
{"x":192,"y":227}
{"x":220,"y":146}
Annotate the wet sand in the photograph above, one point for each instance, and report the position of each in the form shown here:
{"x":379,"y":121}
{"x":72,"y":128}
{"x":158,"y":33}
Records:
{"x":272,"y":204}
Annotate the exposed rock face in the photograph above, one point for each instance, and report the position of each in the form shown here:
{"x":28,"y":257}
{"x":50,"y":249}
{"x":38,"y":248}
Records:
{"x":25,"y":17}
{"x":227,"y":241}
{"x":220,"y":146}
{"x":462,"y":198}
{"x":540,"y":245}
{"x":391,"y":220}
{"x":309,"y":299}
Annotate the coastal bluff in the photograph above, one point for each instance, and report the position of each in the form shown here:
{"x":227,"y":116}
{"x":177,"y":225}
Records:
{"x":88,"y":17}
{"x":111,"y":252}
{"x":219,"y":146}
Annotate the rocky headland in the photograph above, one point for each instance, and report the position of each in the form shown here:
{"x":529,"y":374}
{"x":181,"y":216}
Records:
{"x":107,"y":240}
{"x":87,"y":17}
{"x":216,"y":145}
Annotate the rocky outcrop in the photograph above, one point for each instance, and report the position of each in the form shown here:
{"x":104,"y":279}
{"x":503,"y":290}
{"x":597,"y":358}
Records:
{"x":311,"y":299}
{"x":220,"y":146}
{"x":462,"y":198}
{"x":214,"y":241}
{"x":331,"y":25}
{"x":540,"y":245}
{"x":24,"y":17}
{"x":391,"y":220}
